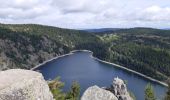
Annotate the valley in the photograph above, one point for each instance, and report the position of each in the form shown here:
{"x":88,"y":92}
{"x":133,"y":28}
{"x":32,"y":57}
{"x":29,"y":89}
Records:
{"x":144,"y":50}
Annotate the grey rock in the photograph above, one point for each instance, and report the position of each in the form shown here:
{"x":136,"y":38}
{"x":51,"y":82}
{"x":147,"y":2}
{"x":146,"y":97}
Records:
{"x":120,"y":90}
{"x":96,"y":93}
{"x":17,"y":84}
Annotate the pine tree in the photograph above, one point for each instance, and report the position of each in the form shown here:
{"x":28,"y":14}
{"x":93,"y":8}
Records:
{"x":149,"y":93}
{"x":74,"y":93}
{"x":56,"y":89}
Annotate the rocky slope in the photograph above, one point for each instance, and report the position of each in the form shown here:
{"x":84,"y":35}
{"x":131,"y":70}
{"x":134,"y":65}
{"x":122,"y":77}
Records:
{"x":17,"y":84}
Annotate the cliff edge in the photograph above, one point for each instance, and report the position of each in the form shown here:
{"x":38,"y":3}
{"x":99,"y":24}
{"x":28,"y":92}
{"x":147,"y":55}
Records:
{"x":17,"y":84}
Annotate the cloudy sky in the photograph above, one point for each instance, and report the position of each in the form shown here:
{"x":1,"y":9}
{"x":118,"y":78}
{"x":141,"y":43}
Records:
{"x":87,"y":13}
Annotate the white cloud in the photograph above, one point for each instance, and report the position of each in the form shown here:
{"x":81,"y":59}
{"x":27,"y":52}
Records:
{"x":156,"y":13}
{"x":87,"y":13}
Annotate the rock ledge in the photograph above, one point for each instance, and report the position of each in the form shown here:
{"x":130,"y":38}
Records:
{"x":18,"y":84}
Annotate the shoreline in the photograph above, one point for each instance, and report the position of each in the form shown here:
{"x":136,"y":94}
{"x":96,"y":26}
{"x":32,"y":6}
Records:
{"x":54,"y":58}
{"x":116,"y":65}
{"x":132,"y":71}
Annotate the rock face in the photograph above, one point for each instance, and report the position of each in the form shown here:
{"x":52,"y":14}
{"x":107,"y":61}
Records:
{"x":96,"y":93}
{"x":118,"y":91}
{"x":17,"y":84}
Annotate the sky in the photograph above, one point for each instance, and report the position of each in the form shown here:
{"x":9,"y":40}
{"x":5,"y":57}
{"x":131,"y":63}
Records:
{"x":86,"y":14}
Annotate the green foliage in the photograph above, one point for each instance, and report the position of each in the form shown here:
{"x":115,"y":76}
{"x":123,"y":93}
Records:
{"x":109,"y":37}
{"x":74,"y":93}
{"x":65,"y":36}
{"x":167,"y":96}
{"x":149,"y":93}
{"x":142,"y":58}
{"x":56,"y":89}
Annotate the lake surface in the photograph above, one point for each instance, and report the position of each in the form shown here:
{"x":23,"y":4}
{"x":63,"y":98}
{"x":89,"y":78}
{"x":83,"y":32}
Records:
{"x":81,"y":67}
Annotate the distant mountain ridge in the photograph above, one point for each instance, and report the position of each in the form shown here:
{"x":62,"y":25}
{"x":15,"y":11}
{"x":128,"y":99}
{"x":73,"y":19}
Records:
{"x":166,"y":29}
{"x":100,"y":30}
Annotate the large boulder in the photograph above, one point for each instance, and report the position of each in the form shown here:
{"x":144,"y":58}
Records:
{"x":96,"y":93}
{"x":17,"y":84}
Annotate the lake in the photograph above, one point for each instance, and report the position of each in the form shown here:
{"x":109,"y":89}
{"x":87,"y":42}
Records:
{"x":81,"y":67}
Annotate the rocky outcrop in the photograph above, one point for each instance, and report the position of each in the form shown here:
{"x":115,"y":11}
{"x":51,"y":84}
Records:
{"x":17,"y":84}
{"x":118,"y":91}
{"x":96,"y":93}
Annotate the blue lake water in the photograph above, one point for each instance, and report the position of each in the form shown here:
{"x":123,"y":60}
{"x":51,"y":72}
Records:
{"x":81,"y":67}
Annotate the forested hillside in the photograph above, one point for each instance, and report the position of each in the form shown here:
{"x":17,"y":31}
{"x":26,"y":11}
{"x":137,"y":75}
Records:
{"x":24,"y":46}
{"x":145,"y":50}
